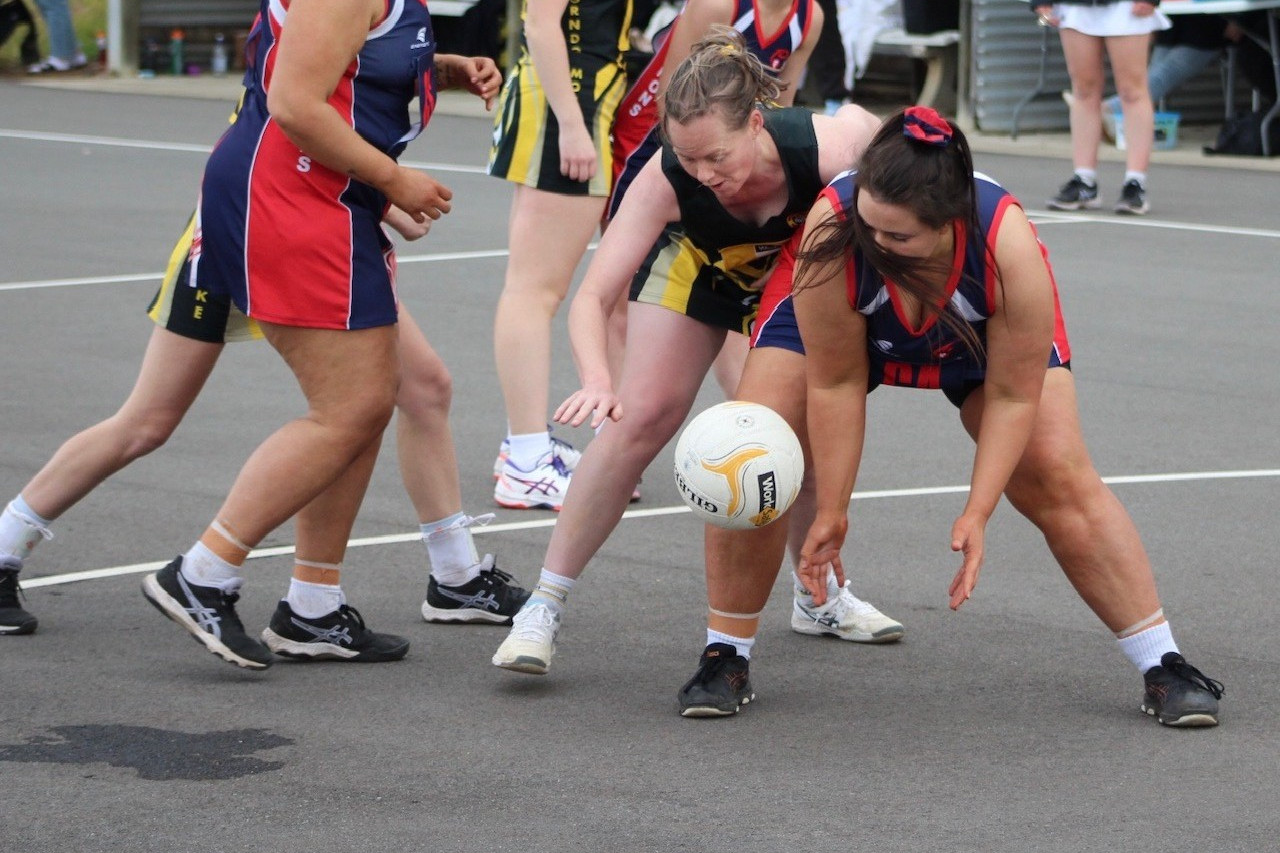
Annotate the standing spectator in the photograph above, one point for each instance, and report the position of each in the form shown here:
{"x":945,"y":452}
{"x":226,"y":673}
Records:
{"x":1123,"y":31}
{"x":64,"y":52}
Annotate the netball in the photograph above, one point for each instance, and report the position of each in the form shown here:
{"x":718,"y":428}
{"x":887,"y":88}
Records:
{"x":738,"y":465}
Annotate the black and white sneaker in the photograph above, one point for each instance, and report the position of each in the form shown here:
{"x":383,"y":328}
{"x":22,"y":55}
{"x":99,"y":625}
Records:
{"x":207,"y":613}
{"x":720,"y":687}
{"x":1133,"y":199}
{"x":489,"y":597}
{"x":1075,"y":195}
{"x":340,"y":635}
{"x":1178,"y":694}
{"x":13,"y":619}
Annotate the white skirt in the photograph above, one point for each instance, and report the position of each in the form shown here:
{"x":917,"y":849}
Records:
{"x":1113,"y":19}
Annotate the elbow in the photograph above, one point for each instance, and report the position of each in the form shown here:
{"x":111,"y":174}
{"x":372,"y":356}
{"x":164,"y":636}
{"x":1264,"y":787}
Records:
{"x":287,"y":113}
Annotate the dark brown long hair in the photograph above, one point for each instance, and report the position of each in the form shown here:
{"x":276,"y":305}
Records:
{"x":935,"y":182}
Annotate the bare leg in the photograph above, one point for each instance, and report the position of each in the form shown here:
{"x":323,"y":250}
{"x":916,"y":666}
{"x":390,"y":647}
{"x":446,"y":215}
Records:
{"x":424,"y":440}
{"x":1129,"y":55}
{"x":323,"y":526}
{"x":174,"y":370}
{"x":730,"y":363}
{"x":659,"y":383}
{"x":1084,"y":64}
{"x":548,"y":235}
{"x":1087,"y":529}
{"x":742,"y":565}
{"x":349,"y":379}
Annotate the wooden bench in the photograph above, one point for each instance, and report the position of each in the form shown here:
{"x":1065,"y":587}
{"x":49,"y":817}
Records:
{"x":939,"y":52}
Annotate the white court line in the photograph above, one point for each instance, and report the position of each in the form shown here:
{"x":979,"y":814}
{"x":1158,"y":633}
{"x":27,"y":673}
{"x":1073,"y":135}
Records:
{"x":391,"y":539}
{"x":188,"y":148}
{"x":1039,"y":218}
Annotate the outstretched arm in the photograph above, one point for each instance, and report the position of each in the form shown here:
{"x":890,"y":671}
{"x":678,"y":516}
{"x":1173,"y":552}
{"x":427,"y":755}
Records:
{"x":1019,"y":339}
{"x":647,"y":207}
{"x":836,"y":371}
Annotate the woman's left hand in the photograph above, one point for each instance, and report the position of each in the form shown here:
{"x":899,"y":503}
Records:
{"x":967,"y":536}
{"x":481,"y":78}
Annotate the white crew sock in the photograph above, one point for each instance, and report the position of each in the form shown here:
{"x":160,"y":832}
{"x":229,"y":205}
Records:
{"x":21,"y":530}
{"x":1140,"y":177}
{"x":742,"y":644}
{"x":552,"y":590}
{"x":451,"y":549}
{"x":313,"y":600}
{"x":1089,"y":176}
{"x":1145,"y":648}
{"x":202,"y":567}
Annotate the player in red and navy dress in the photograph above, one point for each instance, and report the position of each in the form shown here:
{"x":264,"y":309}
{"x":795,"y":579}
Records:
{"x":918,"y":272}
{"x":780,"y":33}
{"x":288,"y":227}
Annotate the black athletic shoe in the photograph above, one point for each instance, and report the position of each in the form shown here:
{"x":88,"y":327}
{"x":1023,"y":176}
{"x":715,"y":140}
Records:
{"x":1075,"y":195}
{"x":13,"y":619}
{"x":720,"y":687}
{"x":340,"y":635}
{"x":1133,"y":199}
{"x":206,"y":613}
{"x":488,"y":597}
{"x":1178,"y":694}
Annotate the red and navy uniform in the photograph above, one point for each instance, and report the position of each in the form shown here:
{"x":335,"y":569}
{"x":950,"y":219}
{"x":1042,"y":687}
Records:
{"x":635,"y":132}
{"x":288,"y":239}
{"x":932,"y":356}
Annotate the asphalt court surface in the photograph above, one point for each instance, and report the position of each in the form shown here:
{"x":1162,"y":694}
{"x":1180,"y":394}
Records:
{"x":1011,"y":725}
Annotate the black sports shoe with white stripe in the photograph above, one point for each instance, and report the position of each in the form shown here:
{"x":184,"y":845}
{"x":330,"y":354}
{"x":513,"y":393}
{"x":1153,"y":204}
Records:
{"x":720,"y":687}
{"x":207,"y":613}
{"x":340,"y":635}
{"x":13,"y":619}
{"x":1178,"y":694}
{"x":488,"y":597}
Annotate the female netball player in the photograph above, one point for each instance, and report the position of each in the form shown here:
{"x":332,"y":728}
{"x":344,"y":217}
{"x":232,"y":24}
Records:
{"x":703,"y":225}
{"x":917,"y":272}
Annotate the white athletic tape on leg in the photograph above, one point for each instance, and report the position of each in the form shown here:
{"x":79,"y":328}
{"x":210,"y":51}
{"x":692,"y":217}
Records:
{"x":1143,"y":625}
{"x":726,"y":615}
{"x":219,"y":528}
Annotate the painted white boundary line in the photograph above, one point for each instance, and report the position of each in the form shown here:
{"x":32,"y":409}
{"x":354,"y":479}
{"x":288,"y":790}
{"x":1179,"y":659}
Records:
{"x":188,"y":148}
{"x":392,"y":539}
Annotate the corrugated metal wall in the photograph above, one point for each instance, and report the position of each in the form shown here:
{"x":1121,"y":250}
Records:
{"x":196,"y":13}
{"x":1004,"y":65}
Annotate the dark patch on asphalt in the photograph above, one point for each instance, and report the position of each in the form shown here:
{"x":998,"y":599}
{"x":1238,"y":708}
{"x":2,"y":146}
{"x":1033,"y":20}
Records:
{"x":156,"y":754}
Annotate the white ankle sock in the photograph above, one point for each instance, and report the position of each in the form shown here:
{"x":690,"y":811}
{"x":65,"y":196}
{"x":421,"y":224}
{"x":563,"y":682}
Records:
{"x":742,"y":644}
{"x":528,"y":448}
{"x":1145,"y":648}
{"x":205,"y":568}
{"x":313,"y":600}
{"x":451,"y":549}
{"x":552,"y":590}
{"x":21,"y":530}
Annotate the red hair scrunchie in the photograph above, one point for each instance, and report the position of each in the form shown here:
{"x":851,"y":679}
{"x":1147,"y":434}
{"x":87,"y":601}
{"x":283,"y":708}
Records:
{"x":924,"y":124}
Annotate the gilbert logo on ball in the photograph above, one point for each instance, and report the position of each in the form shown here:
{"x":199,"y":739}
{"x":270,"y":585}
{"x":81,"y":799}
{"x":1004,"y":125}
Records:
{"x":738,"y":465}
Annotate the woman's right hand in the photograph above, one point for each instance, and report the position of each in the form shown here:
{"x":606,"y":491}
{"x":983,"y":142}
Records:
{"x":418,"y":194}
{"x":598,"y":404}
{"x":578,"y":157}
{"x":820,"y":554}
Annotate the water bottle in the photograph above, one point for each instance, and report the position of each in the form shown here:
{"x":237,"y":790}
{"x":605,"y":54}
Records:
{"x":100,"y":40}
{"x":175,"y":52}
{"x":218,"y":65}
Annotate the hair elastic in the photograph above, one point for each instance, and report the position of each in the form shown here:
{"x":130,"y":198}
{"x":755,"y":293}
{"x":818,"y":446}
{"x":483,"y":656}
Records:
{"x":923,"y":124}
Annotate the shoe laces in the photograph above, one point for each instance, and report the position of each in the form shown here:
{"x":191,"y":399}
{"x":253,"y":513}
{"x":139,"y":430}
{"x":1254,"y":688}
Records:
{"x":1177,"y":665}
{"x":10,"y":589}
{"x":533,"y":623}
{"x":492,"y":573}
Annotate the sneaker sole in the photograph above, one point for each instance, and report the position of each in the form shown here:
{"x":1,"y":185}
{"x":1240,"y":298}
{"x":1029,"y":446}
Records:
{"x":1082,"y":205}
{"x":525,"y":664}
{"x":17,"y":630}
{"x":881,"y":637}
{"x":705,"y":711}
{"x":295,"y":650}
{"x":506,"y":503}
{"x":461,"y":615}
{"x":166,"y":604}
{"x":1132,"y":211}
{"x":1186,"y":721}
